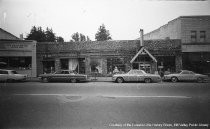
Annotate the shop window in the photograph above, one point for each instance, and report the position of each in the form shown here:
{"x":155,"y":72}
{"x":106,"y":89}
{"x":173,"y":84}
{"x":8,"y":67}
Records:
{"x":193,"y":36}
{"x":64,"y":64}
{"x":119,"y":63}
{"x":3,"y":72}
{"x":48,"y":66}
{"x":202,"y":36}
{"x":96,"y":65}
{"x":16,"y":62}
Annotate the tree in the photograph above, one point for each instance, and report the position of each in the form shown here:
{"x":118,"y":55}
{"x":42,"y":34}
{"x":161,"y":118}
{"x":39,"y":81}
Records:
{"x":102,"y":34}
{"x":40,"y":35}
{"x":50,"y":36}
{"x":59,"y":39}
{"x":36,"y":34}
{"x":79,"y":37}
{"x":88,"y":39}
{"x":75,"y":36}
{"x":82,"y":37}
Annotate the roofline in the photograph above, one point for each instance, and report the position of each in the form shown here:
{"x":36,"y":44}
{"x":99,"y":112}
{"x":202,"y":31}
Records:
{"x":16,"y":40}
{"x":190,"y":16}
{"x":139,"y":52}
{"x":9,"y":33}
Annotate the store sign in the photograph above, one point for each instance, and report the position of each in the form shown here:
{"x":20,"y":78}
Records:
{"x":15,"y":46}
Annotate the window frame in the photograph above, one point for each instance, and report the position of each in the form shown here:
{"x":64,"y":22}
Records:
{"x":202,"y":36}
{"x":193,"y":36}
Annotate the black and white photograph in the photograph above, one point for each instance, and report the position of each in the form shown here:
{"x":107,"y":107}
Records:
{"x":104,"y":64}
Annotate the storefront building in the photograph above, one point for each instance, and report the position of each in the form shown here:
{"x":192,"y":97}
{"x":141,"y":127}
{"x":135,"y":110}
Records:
{"x":100,"y":58}
{"x":19,"y":55}
{"x":194,"y":33}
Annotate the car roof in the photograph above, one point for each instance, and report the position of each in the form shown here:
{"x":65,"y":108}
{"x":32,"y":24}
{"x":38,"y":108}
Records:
{"x":136,"y":70}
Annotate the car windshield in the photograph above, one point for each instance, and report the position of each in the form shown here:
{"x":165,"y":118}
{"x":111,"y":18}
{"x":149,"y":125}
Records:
{"x":14,"y":72}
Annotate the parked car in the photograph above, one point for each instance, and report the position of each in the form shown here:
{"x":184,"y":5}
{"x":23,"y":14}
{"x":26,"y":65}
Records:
{"x":64,"y":76}
{"x":186,"y":75}
{"x":11,"y":76}
{"x":136,"y":75}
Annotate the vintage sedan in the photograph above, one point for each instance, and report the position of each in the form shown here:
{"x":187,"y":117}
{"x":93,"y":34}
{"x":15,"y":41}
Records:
{"x":11,"y":76}
{"x":136,"y":76}
{"x":185,"y":75}
{"x":64,"y":76}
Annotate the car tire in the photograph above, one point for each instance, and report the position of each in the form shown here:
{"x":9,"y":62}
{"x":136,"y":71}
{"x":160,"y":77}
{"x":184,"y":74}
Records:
{"x":45,"y":79}
{"x":200,"y":80}
{"x":119,"y":80}
{"x":174,"y":79}
{"x":73,"y":80}
{"x":147,"y":80}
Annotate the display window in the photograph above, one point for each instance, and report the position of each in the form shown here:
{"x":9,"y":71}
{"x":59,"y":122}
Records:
{"x":21,"y":63}
{"x":115,"y":63}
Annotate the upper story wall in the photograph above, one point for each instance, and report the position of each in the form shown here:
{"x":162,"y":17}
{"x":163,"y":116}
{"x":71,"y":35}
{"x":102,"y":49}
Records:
{"x":171,"y":30}
{"x":196,"y":24}
{"x":184,"y":28}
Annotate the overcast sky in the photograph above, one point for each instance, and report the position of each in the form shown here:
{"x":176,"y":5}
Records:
{"x":123,"y":18}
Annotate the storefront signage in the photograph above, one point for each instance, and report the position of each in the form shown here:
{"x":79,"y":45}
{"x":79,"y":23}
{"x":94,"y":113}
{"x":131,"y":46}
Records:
{"x":15,"y":46}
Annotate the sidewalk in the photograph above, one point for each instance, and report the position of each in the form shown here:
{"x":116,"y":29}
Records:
{"x":93,"y":79}
{"x":101,"y":79}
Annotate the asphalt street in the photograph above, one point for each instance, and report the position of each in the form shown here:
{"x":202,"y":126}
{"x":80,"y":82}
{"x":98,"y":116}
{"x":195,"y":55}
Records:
{"x":105,"y":105}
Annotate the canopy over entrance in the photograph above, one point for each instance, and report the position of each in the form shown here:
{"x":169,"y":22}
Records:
{"x":143,"y":51}
{"x":143,"y":60}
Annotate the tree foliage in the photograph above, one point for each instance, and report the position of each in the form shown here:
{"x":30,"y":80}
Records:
{"x":102,"y":34}
{"x":40,"y":35}
{"x":79,"y":37}
{"x":50,"y":36}
{"x":59,"y":39}
{"x":36,"y":34}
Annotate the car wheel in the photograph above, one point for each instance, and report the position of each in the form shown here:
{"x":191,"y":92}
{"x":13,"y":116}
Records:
{"x":73,"y":80}
{"x":147,"y":80}
{"x":174,"y":79}
{"x":45,"y":79}
{"x":119,"y":80}
{"x":199,"y":80}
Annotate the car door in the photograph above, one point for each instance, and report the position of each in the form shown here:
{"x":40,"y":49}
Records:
{"x":56,"y":76}
{"x":65,"y":76}
{"x":192,"y":76}
{"x":133,"y":76}
{"x":184,"y":76}
{"x":140,"y":76}
{"x":62,"y":76}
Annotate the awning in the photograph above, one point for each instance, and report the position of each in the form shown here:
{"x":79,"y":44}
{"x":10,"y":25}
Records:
{"x":141,"y":52}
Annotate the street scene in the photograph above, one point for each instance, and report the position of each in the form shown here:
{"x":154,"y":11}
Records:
{"x":105,"y":64}
{"x":105,"y":105}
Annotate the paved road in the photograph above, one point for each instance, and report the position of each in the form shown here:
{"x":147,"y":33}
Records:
{"x":105,"y":105}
